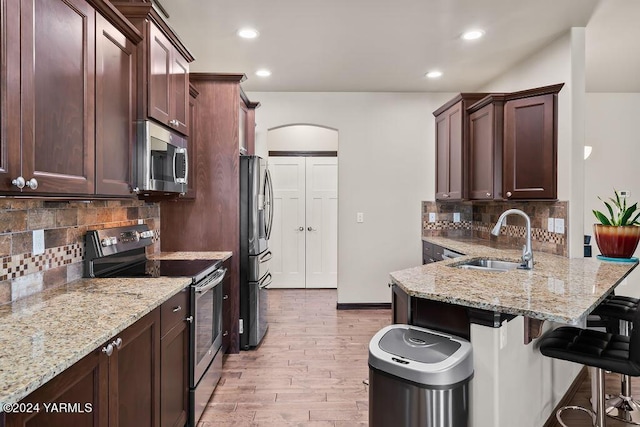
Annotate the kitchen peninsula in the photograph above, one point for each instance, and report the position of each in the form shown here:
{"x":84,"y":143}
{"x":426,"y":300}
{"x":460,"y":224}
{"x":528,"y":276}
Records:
{"x":512,"y":379}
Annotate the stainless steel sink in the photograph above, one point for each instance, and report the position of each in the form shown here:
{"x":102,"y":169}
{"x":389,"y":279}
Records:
{"x":485,"y":264}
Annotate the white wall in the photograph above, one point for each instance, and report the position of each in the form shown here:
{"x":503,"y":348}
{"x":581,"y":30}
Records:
{"x":387,"y":168}
{"x":302,"y":138}
{"x":563,"y":61}
{"x":612,"y":131}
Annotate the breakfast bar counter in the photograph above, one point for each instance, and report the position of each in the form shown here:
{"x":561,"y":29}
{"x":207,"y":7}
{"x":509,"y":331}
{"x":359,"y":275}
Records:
{"x":513,"y":383}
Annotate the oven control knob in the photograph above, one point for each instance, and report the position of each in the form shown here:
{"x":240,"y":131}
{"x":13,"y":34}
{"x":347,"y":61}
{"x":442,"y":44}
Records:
{"x":114,"y":240}
{"x":106,"y":242}
{"x":146,"y":234}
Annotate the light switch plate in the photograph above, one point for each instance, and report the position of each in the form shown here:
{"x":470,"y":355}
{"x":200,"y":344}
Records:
{"x":559,"y":225}
{"x":360,"y":217}
{"x":432,"y":217}
{"x":551,"y":225}
{"x":456,"y":217}
{"x":140,"y":221}
{"x":624,"y":193}
{"x":38,"y":242}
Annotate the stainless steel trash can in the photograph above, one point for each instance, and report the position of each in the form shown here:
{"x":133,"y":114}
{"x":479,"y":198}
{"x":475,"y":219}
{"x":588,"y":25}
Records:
{"x":418,"y":377}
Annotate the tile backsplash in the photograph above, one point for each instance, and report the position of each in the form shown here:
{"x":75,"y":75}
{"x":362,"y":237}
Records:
{"x":64,"y":223}
{"x":478,"y":218}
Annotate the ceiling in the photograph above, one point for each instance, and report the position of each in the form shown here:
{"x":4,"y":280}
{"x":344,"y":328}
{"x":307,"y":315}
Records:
{"x":388,"y":45}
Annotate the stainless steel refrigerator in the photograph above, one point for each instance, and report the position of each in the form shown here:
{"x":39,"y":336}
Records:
{"x":256,"y":219}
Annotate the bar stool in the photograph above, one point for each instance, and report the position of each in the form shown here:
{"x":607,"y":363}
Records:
{"x":623,"y":309}
{"x":601,"y":350}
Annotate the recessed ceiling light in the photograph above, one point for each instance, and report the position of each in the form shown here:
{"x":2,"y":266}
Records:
{"x":434,"y":74}
{"x":473,"y":35}
{"x":248,"y":33}
{"x":263,"y":73}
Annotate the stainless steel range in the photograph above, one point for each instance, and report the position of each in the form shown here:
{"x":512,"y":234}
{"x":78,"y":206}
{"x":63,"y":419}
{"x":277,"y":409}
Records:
{"x":120,"y":252}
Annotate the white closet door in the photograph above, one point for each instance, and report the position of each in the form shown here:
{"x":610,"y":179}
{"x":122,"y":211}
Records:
{"x":287,"y":242}
{"x":322,"y":222}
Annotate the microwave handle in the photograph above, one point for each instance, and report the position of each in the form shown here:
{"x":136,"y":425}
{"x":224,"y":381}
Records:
{"x":186,"y":163}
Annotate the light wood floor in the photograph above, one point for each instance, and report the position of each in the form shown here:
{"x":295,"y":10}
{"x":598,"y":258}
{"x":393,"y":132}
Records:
{"x":310,"y":368}
{"x":308,"y":371}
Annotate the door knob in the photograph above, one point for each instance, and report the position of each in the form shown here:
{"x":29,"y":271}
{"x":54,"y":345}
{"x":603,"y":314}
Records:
{"x":32,"y":183}
{"x":18,"y":182}
{"x":300,"y":228}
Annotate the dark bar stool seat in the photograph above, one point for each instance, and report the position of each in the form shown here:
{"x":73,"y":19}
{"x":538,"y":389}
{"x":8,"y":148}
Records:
{"x":618,"y":311}
{"x":601,"y":350}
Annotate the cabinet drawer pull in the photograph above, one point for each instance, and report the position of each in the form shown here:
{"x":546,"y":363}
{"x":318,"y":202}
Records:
{"x":189,"y":319}
{"x":117,"y":343}
{"x":225,"y":333}
{"x":18,"y":182}
{"x":108,"y":350}
{"x":488,"y":194}
{"x":445,"y":195}
{"x":177,"y":309}
{"x":32,"y":183}
{"x":509,"y":193}
{"x":225,"y":297}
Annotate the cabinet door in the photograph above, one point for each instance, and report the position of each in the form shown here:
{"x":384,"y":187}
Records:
{"x":485,"y":153}
{"x":449,"y":154}
{"x":242,"y":129}
{"x":9,"y":95}
{"x":85,"y":385}
{"x":530,"y":150}
{"x":400,"y":306}
{"x":134,"y":375}
{"x":57,"y":104}
{"x":174,"y":376}
{"x":179,"y":93}
{"x":160,"y":65}
{"x":115,"y":115}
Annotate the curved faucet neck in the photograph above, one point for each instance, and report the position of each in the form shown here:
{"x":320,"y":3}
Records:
{"x":527,"y":253}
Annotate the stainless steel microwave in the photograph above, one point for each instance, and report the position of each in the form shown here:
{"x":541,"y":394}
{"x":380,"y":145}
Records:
{"x":162,"y":160}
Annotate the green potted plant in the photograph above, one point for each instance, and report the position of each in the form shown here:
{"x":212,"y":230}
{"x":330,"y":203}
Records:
{"x":618,"y":234}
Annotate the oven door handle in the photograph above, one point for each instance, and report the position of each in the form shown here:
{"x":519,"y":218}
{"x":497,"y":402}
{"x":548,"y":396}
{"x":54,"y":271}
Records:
{"x":215,"y":280}
{"x":265,"y":282}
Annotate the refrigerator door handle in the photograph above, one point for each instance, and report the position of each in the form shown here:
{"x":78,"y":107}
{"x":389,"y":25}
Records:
{"x":265,"y":282}
{"x":269,"y":202}
{"x":266,"y":257}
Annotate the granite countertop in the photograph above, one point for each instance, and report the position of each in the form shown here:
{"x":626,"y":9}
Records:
{"x":46,"y":333}
{"x":558,"y":289}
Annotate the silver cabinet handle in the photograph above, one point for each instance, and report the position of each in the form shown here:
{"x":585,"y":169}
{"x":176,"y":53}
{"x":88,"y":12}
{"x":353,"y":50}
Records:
{"x":445,"y":195}
{"x":108,"y":350}
{"x":117,"y":343}
{"x":311,"y":229}
{"x":225,"y":297}
{"x":488,"y":194}
{"x":509,"y":193}
{"x":300,"y":228}
{"x":32,"y":183}
{"x":189,"y":319}
{"x":18,"y":182}
{"x":225,"y":333}
{"x":177,"y":309}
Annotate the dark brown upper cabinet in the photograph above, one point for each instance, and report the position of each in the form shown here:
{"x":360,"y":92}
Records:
{"x":247,"y":124}
{"x":452,"y":142}
{"x":115,"y":109}
{"x":49,"y":98}
{"x":163,"y":68}
{"x":486,"y":121}
{"x":531,"y":144}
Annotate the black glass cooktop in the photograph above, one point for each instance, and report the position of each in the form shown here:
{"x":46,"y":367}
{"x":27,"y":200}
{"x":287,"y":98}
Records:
{"x":194,"y":268}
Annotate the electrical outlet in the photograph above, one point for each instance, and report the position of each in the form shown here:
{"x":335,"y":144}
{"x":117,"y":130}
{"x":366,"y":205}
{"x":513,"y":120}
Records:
{"x":140,"y":221}
{"x":551,"y":225}
{"x":456,"y":217}
{"x":360,"y":217}
{"x":432,"y":217}
{"x":559,"y":225}
{"x":624,"y":193}
{"x":38,"y":242}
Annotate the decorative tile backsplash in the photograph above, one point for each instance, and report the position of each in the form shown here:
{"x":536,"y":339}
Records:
{"x":478,"y":218}
{"x":64,"y":225}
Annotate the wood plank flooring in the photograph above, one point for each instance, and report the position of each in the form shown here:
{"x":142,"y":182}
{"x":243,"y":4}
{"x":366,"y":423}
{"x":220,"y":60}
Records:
{"x":308,"y":371}
{"x":310,"y":368}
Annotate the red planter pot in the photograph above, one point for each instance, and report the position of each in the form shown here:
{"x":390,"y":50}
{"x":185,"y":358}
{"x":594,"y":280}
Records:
{"x":617,"y":242}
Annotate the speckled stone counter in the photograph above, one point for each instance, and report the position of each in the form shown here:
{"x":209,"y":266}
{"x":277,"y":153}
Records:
{"x":559,"y":289}
{"x":220,"y":255}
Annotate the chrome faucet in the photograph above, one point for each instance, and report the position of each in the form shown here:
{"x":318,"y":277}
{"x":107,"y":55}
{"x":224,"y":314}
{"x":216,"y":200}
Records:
{"x":527,"y":253}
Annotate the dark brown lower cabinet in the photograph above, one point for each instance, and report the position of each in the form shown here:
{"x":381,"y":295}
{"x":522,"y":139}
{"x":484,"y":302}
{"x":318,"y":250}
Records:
{"x":121,"y":389}
{"x":174,"y":374}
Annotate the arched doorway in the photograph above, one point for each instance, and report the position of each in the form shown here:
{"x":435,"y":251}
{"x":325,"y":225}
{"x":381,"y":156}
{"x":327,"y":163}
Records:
{"x":304,"y":241}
